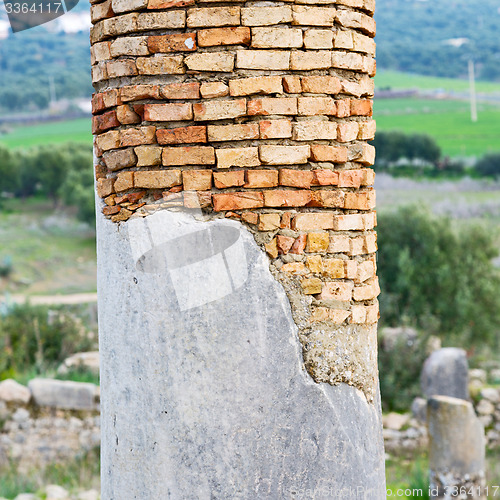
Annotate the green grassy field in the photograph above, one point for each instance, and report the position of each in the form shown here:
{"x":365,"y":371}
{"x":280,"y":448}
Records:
{"x":49,"y":133}
{"x":448,"y":122}
{"x":398,"y":80}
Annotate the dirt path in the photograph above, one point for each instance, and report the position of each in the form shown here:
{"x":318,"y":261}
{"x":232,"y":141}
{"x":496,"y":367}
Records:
{"x":54,"y":300}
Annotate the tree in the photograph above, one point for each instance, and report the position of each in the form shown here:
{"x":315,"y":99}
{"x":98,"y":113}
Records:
{"x":437,"y":277}
{"x":489,"y":165}
{"x":9,"y":174}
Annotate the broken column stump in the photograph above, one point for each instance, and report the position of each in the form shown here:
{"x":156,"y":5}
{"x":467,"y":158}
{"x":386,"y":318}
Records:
{"x":236,"y":248}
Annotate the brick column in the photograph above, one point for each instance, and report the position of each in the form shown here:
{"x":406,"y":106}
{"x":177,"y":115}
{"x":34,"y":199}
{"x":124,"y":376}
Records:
{"x":258,"y":113}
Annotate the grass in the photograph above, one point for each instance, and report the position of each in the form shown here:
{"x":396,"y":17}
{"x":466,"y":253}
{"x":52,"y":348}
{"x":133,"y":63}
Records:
{"x":49,"y":133}
{"x":82,"y":473}
{"x":452,"y":129}
{"x":51,"y":251}
{"x":400,"y":81}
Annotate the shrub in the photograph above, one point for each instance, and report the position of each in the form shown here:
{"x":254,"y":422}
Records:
{"x":489,"y":165}
{"x":438,"y":278}
{"x":37,"y":338}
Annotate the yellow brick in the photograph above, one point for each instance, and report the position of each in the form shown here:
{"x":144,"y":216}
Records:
{"x":269,"y":222}
{"x":314,"y":263}
{"x":265,"y":16}
{"x":333,"y":268}
{"x":313,"y":16}
{"x":294,"y":268}
{"x":317,"y":242}
{"x":311,"y":286}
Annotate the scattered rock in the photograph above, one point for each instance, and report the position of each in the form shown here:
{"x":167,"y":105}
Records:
{"x":477,"y":374}
{"x":63,"y":394}
{"x":13,"y":392}
{"x":445,"y":373}
{"x":26,"y":496}
{"x":55,"y":492}
{"x":395,"y":421}
{"x":88,"y":495}
{"x":419,"y":409}
{"x":495,"y":376}
{"x":490,"y":394}
{"x":485,"y":407}
{"x":86,"y":360}
{"x":391,"y":336}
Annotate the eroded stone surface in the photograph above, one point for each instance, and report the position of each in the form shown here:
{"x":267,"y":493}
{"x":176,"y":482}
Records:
{"x":212,"y":394}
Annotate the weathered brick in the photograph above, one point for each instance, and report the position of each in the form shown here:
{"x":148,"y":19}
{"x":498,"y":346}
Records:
{"x":365,"y":270}
{"x":296,"y":178}
{"x":299,"y":245}
{"x":265,"y":16}
{"x":219,"y":110}
{"x":237,"y":157}
{"x":130,"y":46}
{"x":314,"y":130}
{"x":284,"y":155}
{"x":357,"y":20}
{"x":368,"y":291}
{"x":292,"y":84}
{"x":168,"y":4}
{"x":104,"y":100}
{"x":101,"y":10}
{"x":189,"y":155}
{"x":317,"y":242}
{"x":224,"y":180}
{"x":367,"y":130}
{"x":272,"y":248}
{"x":311,"y":286}
{"x":100,"y":52}
{"x":104,"y":187}
{"x":361,"y":87}
{"x":362,"y":153}
{"x":224,"y":36}
{"x":236,"y":132}
{"x":343,"y":40}
{"x":190,"y":90}
{"x":263,"y":59}
{"x":213,"y":16}
{"x":157,"y":179}
{"x":348,"y":60}
{"x":314,"y":263}
{"x":139,"y":92}
{"x":126,"y":115}
{"x":269,"y":222}
{"x":347,"y":131}
{"x":361,"y":107}
{"x":237,"y":201}
{"x":99,"y":72}
{"x":160,"y":65}
{"x":170,"y":112}
{"x":248,"y":217}
{"x":172,"y":19}
{"x":137,"y":136}
{"x":318,"y":39}
{"x":258,"y":85}
{"x":210,"y":90}
{"x":148,"y":156}
{"x":363,"y":43}
{"x":210,"y":61}
{"x":109,"y":140}
{"x":272,"y":106}
{"x":179,"y":42}
{"x":313,"y":16}
{"x":360,"y":200}
{"x":339,"y":243}
{"x":297,"y":268}
{"x":334,"y":268}
{"x":197,"y":180}
{"x":327,"y":199}
{"x":354,"y":222}
{"x":343,"y":108}
{"x":304,"y":61}
{"x":118,"y":159}
{"x":286,"y":198}
{"x":337,"y":316}
{"x":335,"y":154}
{"x":124,"y":181}
{"x":261,"y":179}
{"x":182,"y":135}
{"x":312,"y":221}
{"x":284,"y":243}
{"x":325,"y":177}
{"x":309,"y":106}
{"x":336,"y":290}
{"x":124,"y":67}
{"x":269,"y":38}
{"x":275,"y":129}
{"x":351,"y":178}
{"x":321,"y":84}
{"x":120,"y":6}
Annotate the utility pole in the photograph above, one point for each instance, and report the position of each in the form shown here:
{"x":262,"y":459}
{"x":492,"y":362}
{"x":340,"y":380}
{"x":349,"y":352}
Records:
{"x":472,"y":90}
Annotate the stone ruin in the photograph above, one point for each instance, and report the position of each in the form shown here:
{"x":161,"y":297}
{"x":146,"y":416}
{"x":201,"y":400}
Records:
{"x":236,"y":249}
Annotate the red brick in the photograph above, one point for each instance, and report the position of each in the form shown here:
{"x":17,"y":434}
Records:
{"x":351,"y":178}
{"x":106,"y":121}
{"x":327,"y":199}
{"x":299,"y":244}
{"x":137,"y":136}
{"x":275,"y":129}
{"x":284,"y":244}
{"x":360,"y":200}
{"x":189,"y":90}
{"x":237,"y":201}
{"x":344,"y":108}
{"x":104,"y":187}
{"x":224,"y":180}
{"x":224,"y":36}
{"x":335,"y":154}
{"x":179,"y":42}
{"x":292,"y":84}
{"x":138,"y":92}
{"x":325,"y":177}
{"x":296,"y":178}
{"x":361,"y":107}
{"x":286,"y":198}
{"x":261,"y":178}
{"x":272,"y":106}
{"x":182,"y":135}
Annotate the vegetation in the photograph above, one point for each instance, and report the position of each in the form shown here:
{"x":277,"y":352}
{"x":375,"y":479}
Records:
{"x":438,"y":277}
{"x":489,"y":165}
{"x":36,"y":338}
{"x":415,"y":37}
